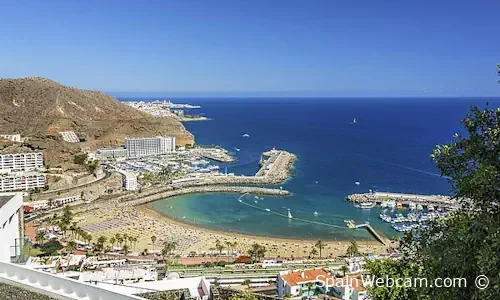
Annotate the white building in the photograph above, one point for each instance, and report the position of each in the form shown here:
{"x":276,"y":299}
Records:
{"x":11,"y":225}
{"x":129,"y":180}
{"x":38,"y":204}
{"x":66,"y":200}
{"x":349,"y":288}
{"x":110,"y":153}
{"x":11,"y":137}
{"x":137,"y":147}
{"x":21,"y":161}
{"x":17,"y":181}
{"x":296,"y":283}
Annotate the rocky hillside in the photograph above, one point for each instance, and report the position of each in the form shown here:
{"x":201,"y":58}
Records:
{"x":39,"y":108}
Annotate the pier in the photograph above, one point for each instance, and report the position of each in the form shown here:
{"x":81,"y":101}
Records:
{"x":373,"y":232}
{"x":405,"y":199}
{"x":206,"y":189}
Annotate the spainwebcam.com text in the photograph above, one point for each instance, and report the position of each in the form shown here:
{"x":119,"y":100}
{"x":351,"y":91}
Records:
{"x":481,"y":282}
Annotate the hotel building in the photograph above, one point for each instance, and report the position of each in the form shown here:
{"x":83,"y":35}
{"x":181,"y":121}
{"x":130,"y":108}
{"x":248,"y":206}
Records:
{"x":17,"y":181}
{"x":21,"y":161}
{"x":137,"y":147}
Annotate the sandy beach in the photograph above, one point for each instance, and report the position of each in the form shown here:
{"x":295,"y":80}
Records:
{"x":142,"y":222}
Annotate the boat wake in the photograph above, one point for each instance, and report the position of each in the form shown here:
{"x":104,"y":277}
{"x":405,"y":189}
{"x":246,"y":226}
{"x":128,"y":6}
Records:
{"x":403,"y":166}
{"x":287,"y":216}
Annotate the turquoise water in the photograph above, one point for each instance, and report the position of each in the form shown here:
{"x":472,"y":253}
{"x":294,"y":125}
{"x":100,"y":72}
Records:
{"x":387,"y":150}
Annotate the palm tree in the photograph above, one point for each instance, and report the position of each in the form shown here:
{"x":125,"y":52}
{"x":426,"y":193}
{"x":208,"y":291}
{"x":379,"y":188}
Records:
{"x":235,"y":245}
{"x":100,"y":242}
{"x":229,"y":246}
{"x":70,"y":247}
{"x":145,"y":251}
{"x":125,"y":238}
{"x":153,"y":240}
{"x":125,"y":249}
{"x":320,"y":245}
{"x":219,"y":247}
{"x":73,"y":228}
{"x":40,"y":237}
{"x":112,"y":241}
{"x":119,"y":239}
{"x":313,"y":252}
{"x":353,"y":249}
{"x":344,"y":270}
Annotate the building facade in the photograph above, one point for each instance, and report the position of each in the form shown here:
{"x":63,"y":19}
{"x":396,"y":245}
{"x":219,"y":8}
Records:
{"x":21,"y":161}
{"x":129,"y":180}
{"x":11,"y":223}
{"x":301,"y":283}
{"x":137,"y":147}
{"x":110,"y":153}
{"x":22,"y":181}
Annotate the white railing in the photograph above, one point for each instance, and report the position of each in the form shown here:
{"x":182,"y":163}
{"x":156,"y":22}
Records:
{"x":53,"y":285}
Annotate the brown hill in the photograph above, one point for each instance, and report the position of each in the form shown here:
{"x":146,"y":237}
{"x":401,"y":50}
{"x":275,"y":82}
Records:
{"x":39,"y":108}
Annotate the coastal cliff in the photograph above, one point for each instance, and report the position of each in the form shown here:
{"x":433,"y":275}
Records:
{"x":39,"y":108}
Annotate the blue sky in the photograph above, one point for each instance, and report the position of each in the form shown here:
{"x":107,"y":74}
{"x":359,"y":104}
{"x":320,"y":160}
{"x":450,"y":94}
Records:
{"x":252,"y":47}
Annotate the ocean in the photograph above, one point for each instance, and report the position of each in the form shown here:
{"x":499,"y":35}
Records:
{"x":387,"y":149}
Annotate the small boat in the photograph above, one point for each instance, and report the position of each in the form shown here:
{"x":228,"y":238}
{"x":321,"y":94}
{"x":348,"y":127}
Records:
{"x":315,"y":214}
{"x":350,"y":224}
{"x":289,"y":215}
{"x":256,"y":197}
{"x":367,"y":205}
{"x":354,"y":121}
{"x":412,"y":206}
{"x":357,"y":183}
{"x":420,"y":207}
{"x":237,"y":149}
{"x":384,"y":204}
{"x":267,"y":209}
{"x":246,"y":135}
{"x":391,"y":203}
{"x":239,"y":200}
{"x":256,"y":201}
{"x":430,"y":208}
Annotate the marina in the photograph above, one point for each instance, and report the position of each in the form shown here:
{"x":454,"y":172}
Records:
{"x":400,"y":200}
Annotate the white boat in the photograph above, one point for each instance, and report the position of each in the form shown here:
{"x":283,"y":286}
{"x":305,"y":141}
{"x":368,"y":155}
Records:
{"x":315,"y":213}
{"x":420,"y":207}
{"x":391,"y":203}
{"x":237,"y":149}
{"x":246,"y":135}
{"x":367,"y":205}
{"x":289,"y":214}
{"x":267,"y":209}
{"x":354,"y":121}
{"x":256,"y":201}
{"x":256,"y":197}
{"x":412,"y":206}
{"x":357,"y":183}
{"x":430,"y":208}
{"x":384,"y":204}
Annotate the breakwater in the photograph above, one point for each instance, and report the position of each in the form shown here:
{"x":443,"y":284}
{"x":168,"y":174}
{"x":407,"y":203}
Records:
{"x":205,"y":189}
{"x":404,"y":199}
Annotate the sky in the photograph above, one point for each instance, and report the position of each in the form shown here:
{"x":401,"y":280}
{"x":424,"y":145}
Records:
{"x":332,"y":48}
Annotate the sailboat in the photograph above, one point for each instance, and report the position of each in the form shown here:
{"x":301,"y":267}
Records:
{"x":289,"y":215}
{"x":354,"y":121}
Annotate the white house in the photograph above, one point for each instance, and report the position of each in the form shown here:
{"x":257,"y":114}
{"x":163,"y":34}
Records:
{"x":11,"y":225}
{"x":301,"y":283}
{"x":349,"y":288}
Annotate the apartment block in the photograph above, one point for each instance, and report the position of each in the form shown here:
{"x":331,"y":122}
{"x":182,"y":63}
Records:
{"x":137,"y":147}
{"x":21,"y":161}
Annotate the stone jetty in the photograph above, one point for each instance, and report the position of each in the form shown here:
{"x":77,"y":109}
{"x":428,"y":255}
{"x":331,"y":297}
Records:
{"x":205,"y":189}
{"x":404,"y":199}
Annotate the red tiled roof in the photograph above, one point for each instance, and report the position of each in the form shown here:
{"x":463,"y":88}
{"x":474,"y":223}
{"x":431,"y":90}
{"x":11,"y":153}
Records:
{"x":295,"y":278}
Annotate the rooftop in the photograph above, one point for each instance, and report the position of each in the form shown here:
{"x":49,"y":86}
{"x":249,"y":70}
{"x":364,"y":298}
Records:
{"x":294,"y":278}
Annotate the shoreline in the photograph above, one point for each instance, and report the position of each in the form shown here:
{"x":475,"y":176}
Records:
{"x":150,"y":211}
